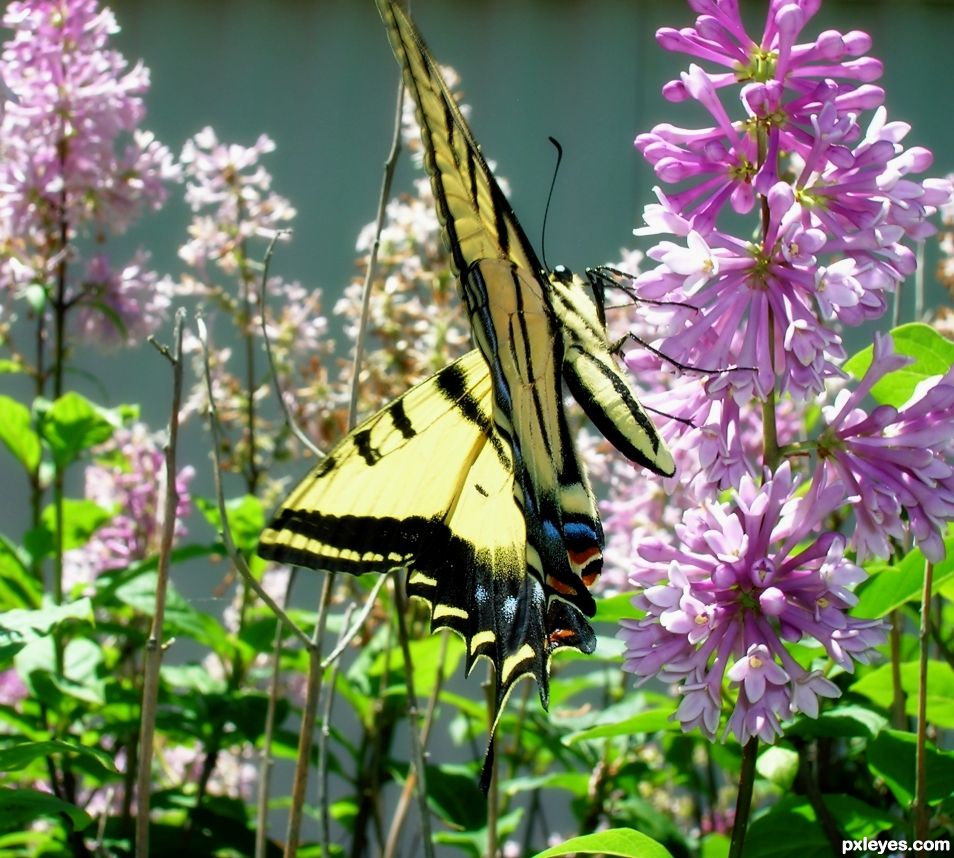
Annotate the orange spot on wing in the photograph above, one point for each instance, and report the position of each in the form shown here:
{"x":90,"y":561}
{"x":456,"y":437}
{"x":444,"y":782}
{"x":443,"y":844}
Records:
{"x":559,"y":586}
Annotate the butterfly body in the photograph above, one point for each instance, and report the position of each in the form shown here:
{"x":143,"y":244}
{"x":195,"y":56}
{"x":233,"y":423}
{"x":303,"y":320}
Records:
{"x":501,"y":536}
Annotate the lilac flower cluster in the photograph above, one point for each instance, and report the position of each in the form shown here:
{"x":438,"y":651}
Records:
{"x":129,"y":476}
{"x":735,"y":580}
{"x":74,"y":162}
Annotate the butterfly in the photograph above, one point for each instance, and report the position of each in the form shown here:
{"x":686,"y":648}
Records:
{"x":470,"y":481}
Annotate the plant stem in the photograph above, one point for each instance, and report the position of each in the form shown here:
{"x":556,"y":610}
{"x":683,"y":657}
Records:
{"x":400,"y":812}
{"x":265,"y":762}
{"x":898,"y":716}
{"x":417,"y":748}
{"x":153,"y":657}
{"x":308,"y":713}
{"x":921,"y":813}
{"x":743,"y":802}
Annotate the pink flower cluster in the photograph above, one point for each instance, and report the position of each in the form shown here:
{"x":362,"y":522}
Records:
{"x":734,"y":581}
{"x":74,"y":163}
{"x":743,"y":578}
{"x":129,"y":476}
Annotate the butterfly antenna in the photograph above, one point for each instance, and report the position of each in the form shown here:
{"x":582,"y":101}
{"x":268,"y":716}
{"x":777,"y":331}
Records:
{"x":546,"y":211}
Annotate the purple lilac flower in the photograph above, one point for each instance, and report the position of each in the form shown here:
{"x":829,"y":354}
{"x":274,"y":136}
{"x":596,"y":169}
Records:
{"x":12,"y":687}
{"x":134,"y":486}
{"x":232,"y":190}
{"x":744,"y":578}
{"x":852,"y":196}
{"x":73,"y":161}
{"x":120,"y":307}
{"x":897,"y":464}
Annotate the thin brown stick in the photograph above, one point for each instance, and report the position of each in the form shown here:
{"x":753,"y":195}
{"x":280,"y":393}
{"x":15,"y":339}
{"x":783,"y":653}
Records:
{"x":153,"y":657}
{"x":307,"y":729}
{"x":293,"y":427}
{"x":265,"y":755}
{"x":234,"y":554}
{"x":389,"y":167}
{"x":323,"y":735}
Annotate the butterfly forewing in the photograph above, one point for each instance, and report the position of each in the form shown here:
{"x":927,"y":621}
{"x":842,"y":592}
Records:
{"x":471,"y":480}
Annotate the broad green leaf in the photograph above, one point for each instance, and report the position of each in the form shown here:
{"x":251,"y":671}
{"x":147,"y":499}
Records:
{"x":856,"y":818}
{"x":624,"y":842}
{"x":19,"y":588}
{"x":932,"y":353}
{"x":778,"y":765}
{"x":615,"y":608}
{"x":891,"y":757}
{"x":891,"y":586}
{"x":843,"y":722}
{"x":787,"y":830}
{"x":246,"y":519}
{"x":25,"y":806}
{"x":79,"y":679}
{"x":475,"y":842}
{"x":73,"y":424}
{"x":645,"y":722}
{"x":180,"y":617}
{"x":18,"y":628}
{"x":453,"y":794}
{"x":16,"y":433}
{"x":192,"y":677}
{"x":20,"y":756}
{"x":878,"y":686}
{"x":8,"y":366}
{"x":715,"y":846}
{"x":575,"y":783}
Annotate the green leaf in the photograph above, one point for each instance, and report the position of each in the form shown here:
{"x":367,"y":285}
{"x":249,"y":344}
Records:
{"x":19,"y":588}
{"x":18,"y":628}
{"x":623,"y":842}
{"x":843,"y":722}
{"x":891,"y":757}
{"x":246,"y":519}
{"x":932,"y":353}
{"x":857,"y":818}
{"x":8,"y":366}
{"x":20,"y":807}
{"x":36,"y":295}
{"x":650,"y":721}
{"x":428,"y":657}
{"x":787,"y":830}
{"x":180,"y":617}
{"x":615,"y":608}
{"x":453,"y":794}
{"x":20,"y":756}
{"x":81,"y":518}
{"x":891,"y":586}
{"x":73,"y":424}
{"x":79,"y":679}
{"x":878,"y":686}
{"x":778,"y":765}
{"x":16,"y":433}
{"x":715,"y":845}
{"x":476,"y":842}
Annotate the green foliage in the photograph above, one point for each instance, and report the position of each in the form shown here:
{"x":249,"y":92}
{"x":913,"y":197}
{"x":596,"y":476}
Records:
{"x":622,"y":842}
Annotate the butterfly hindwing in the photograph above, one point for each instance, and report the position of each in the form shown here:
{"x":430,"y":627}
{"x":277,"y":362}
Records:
{"x":471,"y":480}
